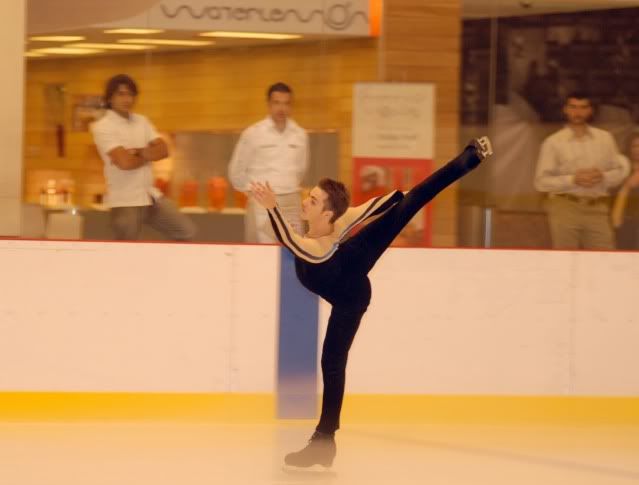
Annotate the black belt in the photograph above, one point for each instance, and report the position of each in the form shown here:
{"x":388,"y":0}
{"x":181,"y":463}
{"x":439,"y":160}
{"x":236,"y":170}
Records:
{"x":585,"y":200}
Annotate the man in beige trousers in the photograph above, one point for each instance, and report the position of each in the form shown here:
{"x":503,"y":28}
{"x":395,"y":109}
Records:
{"x":577,"y":167}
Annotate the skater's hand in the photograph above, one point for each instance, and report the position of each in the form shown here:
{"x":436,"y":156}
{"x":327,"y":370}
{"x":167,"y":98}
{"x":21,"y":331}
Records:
{"x":263,"y":194}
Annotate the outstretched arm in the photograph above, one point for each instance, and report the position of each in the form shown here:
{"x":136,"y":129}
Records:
{"x":310,"y":249}
{"x":263,"y":194}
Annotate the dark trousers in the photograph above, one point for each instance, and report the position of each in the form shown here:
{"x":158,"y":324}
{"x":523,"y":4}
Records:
{"x":362,"y":252}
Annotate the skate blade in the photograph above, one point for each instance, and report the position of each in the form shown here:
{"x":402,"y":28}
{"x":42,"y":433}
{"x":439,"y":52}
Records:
{"x":318,"y":472}
{"x":484,"y":146}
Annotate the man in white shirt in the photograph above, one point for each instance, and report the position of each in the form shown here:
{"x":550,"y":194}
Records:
{"x":128,"y":143}
{"x":577,"y":167}
{"x":274,"y":149}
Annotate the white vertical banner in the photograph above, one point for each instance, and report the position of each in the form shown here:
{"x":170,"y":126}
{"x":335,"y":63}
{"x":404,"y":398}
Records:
{"x":394,"y":120}
{"x":393,"y":146}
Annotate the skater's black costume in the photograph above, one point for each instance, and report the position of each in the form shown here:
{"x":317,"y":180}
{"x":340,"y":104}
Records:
{"x":335,"y":267}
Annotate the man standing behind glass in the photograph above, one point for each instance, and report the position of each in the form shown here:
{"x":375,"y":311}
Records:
{"x":274,"y":149}
{"x":127,"y":143}
{"x":577,"y":166}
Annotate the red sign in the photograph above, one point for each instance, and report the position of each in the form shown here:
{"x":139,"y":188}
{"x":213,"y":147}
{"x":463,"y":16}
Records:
{"x":373,"y":177}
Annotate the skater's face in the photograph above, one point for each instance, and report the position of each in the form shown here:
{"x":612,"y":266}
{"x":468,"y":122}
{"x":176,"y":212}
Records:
{"x":313,"y":206}
{"x":578,"y":111}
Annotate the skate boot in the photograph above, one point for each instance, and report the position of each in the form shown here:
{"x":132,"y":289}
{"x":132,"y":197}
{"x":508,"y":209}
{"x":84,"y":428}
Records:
{"x":483,"y":146}
{"x":321,"y":450}
{"x":478,"y":149}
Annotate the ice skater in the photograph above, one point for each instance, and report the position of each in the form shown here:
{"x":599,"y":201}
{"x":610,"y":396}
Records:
{"x":334,"y":264}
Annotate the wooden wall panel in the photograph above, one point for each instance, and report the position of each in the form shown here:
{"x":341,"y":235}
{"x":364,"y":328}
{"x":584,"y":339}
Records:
{"x":422,"y":43}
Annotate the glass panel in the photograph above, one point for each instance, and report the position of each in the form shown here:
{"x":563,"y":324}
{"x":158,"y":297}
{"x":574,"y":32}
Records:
{"x":199,"y":88}
{"x":519,"y":66}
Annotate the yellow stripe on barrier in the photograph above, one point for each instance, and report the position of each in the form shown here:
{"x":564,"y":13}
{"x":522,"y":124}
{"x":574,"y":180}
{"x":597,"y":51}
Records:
{"x":491,"y":409}
{"x":358,"y":408}
{"x":136,"y":406}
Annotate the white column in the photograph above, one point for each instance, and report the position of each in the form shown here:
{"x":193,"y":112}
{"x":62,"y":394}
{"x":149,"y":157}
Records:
{"x":12,"y":24}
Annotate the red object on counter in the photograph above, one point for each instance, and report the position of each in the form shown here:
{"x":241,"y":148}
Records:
{"x":216,"y":190}
{"x":189,"y":193}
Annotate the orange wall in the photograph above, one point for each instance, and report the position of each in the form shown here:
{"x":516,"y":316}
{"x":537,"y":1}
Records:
{"x":423,"y":44}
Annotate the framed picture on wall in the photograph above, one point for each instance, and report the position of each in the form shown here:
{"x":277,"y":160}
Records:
{"x":87,"y":108}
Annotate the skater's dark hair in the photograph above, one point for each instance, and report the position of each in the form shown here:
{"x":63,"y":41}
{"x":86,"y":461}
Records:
{"x":114,"y":83}
{"x":278,"y":88}
{"x":337,"y":199}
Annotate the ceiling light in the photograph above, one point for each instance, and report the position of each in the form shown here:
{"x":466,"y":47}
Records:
{"x":66,"y":50}
{"x":121,"y":47}
{"x":134,"y":31}
{"x":250,"y":35}
{"x":190,"y":43}
{"x":58,"y":38}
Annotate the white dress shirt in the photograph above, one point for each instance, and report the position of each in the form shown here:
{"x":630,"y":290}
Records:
{"x":563,"y":153}
{"x":264,"y":154}
{"x":125,"y":188}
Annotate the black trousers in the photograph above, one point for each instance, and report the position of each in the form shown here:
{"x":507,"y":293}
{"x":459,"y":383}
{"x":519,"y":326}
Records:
{"x":358,"y":256}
